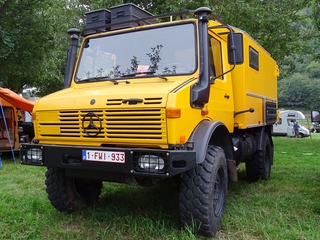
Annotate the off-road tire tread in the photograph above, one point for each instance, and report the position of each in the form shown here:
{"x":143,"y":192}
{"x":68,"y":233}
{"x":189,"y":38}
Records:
{"x":63,"y":196}
{"x":195,"y":201}
{"x":255,"y":165}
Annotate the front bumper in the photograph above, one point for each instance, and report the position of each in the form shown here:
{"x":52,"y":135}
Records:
{"x":72,"y":160}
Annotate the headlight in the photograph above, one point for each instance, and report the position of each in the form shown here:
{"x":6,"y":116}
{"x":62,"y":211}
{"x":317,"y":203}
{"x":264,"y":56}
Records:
{"x":34,"y":154}
{"x":151,"y":162}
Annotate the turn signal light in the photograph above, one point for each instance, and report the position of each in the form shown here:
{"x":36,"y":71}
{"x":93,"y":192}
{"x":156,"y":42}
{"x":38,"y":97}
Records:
{"x":204,"y":112}
{"x":174,"y":113}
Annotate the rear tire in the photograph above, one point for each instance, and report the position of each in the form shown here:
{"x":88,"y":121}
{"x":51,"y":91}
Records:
{"x":203,"y":193}
{"x":258,"y":166}
{"x":70,"y":194}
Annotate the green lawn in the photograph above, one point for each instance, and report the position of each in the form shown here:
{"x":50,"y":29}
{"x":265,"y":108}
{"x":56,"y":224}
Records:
{"x":285,"y":207}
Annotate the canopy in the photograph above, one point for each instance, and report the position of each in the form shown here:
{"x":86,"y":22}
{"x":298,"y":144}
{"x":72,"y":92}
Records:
{"x":16,"y":100}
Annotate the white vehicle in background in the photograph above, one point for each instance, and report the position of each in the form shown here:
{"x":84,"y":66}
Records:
{"x":285,"y":125}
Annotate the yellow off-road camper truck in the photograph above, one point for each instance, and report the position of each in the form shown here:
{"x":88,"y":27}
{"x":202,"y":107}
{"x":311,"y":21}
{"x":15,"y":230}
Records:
{"x":188,"y":99}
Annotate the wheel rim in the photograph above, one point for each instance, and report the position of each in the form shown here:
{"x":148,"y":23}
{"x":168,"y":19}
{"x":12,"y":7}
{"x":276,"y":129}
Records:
{"x":219,"y":193}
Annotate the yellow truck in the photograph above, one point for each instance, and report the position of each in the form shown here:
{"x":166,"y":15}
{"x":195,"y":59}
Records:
{"x":188,"y":98}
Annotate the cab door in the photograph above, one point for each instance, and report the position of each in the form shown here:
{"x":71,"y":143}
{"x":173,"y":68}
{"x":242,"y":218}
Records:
{"x":220,"y":104}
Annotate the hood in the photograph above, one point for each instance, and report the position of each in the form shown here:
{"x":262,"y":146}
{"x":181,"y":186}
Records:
{"x":144,"y":93}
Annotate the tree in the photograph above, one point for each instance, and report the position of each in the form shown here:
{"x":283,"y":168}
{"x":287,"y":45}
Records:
{"x":34,"y":42}
{"x":293,"y":91}
{"x":276,"y":24}
{"x":313,"y":70}
{"x":22,"y":38}
{"x":312,"y":101}
{"x":58,"y":18}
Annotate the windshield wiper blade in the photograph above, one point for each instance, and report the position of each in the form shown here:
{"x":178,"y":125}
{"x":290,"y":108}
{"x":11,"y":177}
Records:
{"x":138,"y":73}
{"x":95,"y":79}
{"x":146,"y":73}
{"x":161,"y":76}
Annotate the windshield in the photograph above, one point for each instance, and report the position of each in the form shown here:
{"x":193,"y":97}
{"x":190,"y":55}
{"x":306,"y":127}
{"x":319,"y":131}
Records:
{"x":160,"y":51}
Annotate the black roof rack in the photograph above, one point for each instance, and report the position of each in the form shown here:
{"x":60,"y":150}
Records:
{"x":137,"y":21}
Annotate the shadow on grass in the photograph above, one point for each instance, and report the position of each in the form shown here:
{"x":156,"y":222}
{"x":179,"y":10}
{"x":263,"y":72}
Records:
{"x":125,"y":202}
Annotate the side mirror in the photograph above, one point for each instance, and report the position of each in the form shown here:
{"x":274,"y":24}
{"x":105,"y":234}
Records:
{"x":315,"y":116}
{"x":235,"y":48}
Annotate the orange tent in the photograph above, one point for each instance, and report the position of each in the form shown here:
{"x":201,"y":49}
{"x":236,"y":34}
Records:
{"x":16,"y":100}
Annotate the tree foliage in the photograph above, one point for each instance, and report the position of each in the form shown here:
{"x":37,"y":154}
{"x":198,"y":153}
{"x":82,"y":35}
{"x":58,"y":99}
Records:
{"x":23,"y":41}
{"x":275,"y":24}
{"x":34,"y":42}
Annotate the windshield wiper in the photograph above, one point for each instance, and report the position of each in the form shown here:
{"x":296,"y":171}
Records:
{"x":95,"y":79}
{"x":146,"y":72}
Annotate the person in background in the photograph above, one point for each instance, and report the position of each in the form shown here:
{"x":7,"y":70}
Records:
{"x":296,"y":127}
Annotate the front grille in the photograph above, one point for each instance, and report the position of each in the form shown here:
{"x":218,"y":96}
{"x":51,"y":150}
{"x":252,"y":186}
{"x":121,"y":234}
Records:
{"x":114,"y":124}
{"x":135,"y":123}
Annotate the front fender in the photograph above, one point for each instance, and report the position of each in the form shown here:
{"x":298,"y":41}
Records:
{"x":211,"y":133}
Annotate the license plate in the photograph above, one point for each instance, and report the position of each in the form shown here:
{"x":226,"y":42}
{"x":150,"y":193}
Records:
{"x":103,"y":156}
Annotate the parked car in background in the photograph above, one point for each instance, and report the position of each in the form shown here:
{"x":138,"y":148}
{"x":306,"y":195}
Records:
{"x":315,"y":127}
{"x":304,"y":132}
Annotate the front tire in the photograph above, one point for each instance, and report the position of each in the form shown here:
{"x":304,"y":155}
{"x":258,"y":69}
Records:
{"x":69,"y":194}
{"x":203,"y":193}
{"x":258,"y":166}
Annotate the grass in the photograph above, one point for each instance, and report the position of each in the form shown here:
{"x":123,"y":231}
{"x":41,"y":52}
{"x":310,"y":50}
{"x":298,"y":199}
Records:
{"x":285,"y":207}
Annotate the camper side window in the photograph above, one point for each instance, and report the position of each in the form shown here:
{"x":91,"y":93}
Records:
{"x":253,"y":58}
{"x":280,"y":121}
